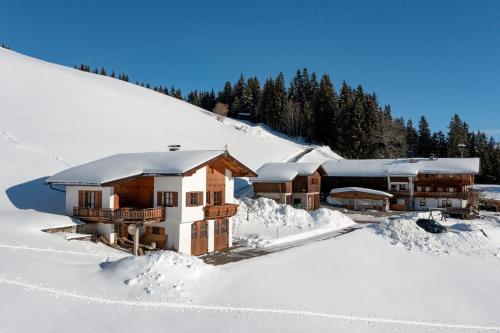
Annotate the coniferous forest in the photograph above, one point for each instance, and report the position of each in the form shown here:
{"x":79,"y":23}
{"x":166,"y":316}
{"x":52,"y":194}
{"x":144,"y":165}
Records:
{"x":349,"y":120}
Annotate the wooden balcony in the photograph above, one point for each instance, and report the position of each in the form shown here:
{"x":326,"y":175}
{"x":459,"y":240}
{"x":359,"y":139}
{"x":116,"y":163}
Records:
{"x":215,"y":212}
{"x":400,"y":193}
{"x":124,"y":215}
{"x":458,"y":195}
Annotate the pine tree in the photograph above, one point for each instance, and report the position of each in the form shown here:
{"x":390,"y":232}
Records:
{"x":457,"y":137}
{"x":411,"y":139}
{"x":113,"y":75}
{"x":103,"y":71}
{"x":325,"y":113}
{"x":424,"y":147}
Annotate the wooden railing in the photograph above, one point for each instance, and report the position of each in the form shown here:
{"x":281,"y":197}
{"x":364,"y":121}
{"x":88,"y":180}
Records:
{"x":120,"y":215}
{"x":460,"y":195}
{"x":400,"y":192}
{"x":226,"y":210}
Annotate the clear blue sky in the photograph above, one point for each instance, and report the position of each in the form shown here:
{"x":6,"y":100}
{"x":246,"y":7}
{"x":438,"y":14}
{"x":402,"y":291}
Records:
{"x":423,"y":57}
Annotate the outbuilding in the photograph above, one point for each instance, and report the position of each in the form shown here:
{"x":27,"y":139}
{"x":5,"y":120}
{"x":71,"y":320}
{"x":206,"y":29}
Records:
{"x":359,"y":198}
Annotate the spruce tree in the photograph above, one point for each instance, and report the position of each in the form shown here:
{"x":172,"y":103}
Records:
{"x":424,"y":147}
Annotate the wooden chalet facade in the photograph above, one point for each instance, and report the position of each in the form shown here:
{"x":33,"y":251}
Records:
{"x":179,"y":200}
{"x":357,"y":198}
{"x":297,"y":184}
{"x":416,"y":184}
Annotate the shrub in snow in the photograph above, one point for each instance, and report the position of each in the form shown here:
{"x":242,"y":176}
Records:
{"x":262,"y":222}
{"x":404,"y":231}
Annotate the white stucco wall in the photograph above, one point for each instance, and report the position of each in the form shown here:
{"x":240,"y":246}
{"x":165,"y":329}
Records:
{"x":72,"y":196}
{"x":185,"y":238}
{"x":434,"y":203}
{"x":169,"y":184}
{"x":108,"y":231}
{"x":196,"y":182}
{"x":211,"y":236}
{"x":229,"y":195}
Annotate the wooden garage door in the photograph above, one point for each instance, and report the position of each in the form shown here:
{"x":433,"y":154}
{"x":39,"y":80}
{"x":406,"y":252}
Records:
{"x":221,"y":229}
{"x":199,"y":238}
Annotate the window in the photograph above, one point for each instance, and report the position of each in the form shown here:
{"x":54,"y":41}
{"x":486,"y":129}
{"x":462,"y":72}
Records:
{"x":423,"y":203}
{"x":89,"y":199}
{"x":394,"y":187}
{"x":439,"y":189}
{"x":203,"y":230}
{"x":156,"y":230}
{"x":451,"y":189}
{"x":208,"y":198}
{"x":297,"y":202}
{"x":445,"y":203}
{"x":450,"y":176}
{"x":403,"y":187}
{"x":428,"y":189}
{"x":194,"y":199}
{"x":315,"y":181}
{"x":167,"y":199}
{"x":401,"y":202}
{"x":419,"y":188}
{"x":194,"y":231}
{"x":218,"y":198}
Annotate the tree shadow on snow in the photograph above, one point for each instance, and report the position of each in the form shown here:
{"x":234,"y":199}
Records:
{"x":37,"y":196}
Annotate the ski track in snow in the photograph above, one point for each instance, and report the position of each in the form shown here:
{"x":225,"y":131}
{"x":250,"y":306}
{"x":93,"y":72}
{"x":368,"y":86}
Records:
{"x":248,"y":310}
{"x":11,"y":140}
{"x":14,"y":247}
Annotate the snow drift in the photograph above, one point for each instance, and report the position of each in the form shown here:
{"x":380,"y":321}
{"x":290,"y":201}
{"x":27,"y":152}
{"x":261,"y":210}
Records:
{"x":461,"y":238}
{"x":263,"y":222}
{"x":171,"y":273}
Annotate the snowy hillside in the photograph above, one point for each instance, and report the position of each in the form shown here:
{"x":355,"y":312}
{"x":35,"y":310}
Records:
{"x":52,"y":117}
{"x":385,"y":279}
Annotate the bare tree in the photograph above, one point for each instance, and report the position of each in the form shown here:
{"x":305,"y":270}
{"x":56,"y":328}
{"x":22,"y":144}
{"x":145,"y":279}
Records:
{"x":221,"y":111}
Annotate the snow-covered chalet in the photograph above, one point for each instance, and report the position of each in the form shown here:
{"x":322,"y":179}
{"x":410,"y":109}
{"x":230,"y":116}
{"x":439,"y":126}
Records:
{"x":177,"y":200}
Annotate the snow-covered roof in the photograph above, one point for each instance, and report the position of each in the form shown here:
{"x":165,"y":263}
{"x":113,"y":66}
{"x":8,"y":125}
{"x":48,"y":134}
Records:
{"x":400,"y":167}
{"x":279,"y":172}
{"x":359,"y":189}
{"x":122,"y":166}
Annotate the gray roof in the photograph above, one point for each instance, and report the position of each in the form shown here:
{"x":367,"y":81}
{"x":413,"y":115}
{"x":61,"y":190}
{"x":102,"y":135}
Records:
{"x":122,"y":166}
{"x":284,"y":171}
{"x":400,"y":167}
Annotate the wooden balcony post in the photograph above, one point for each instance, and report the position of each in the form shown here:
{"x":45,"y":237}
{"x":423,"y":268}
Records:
{"x":136,"y":240}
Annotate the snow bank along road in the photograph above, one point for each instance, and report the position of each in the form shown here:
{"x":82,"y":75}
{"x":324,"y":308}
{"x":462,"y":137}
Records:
{"x":249,"y":310}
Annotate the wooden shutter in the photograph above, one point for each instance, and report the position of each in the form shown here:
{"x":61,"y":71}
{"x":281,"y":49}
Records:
{"x":159,"y":201}
{"x":98,"y":199}
{"x":200,"y":198}
{"x":188,"y":199}
{"x":175,"y":198}
{"x":81,"y":199}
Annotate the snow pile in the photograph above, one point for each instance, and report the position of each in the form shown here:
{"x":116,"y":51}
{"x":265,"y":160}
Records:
{"x":462,"y":238}
{"x":488,"y":191}
{"x":263,"y":222}
{"x":169,"y":272}
{"x":320,"y":154}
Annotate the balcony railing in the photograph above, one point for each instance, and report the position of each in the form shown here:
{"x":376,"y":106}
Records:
{"x":400,"y":192}
{"x":459,"y":195}
{"x":226,"y":210}
{"x":120,"y":215}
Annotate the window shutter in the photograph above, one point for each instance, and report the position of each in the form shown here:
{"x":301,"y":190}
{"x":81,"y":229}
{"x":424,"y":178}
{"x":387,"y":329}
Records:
{"x":81,"y":198}
{"x":98,"y":199}
{"x":175,"y":199}
{"x":188,"y":199}
{"x":200,"y":198}
{"x":159,"y":201}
